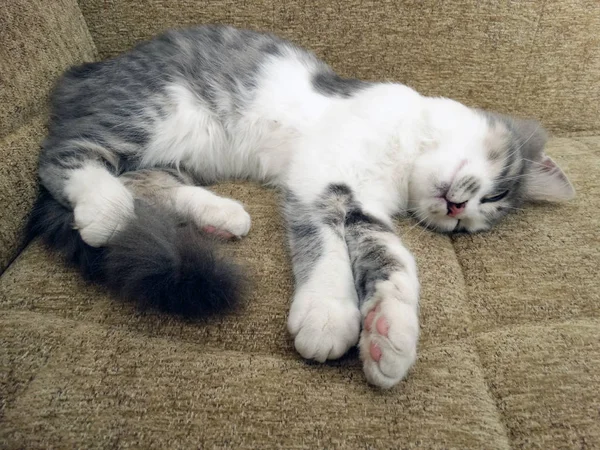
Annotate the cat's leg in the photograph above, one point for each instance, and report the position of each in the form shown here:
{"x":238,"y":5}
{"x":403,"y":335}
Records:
{"x":386,"y":281}
{"x":324,"y":318}
{"x":172,"y":189}
{"x":350,"y":267}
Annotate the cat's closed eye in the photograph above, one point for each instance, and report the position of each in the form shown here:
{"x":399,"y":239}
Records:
{"x":494,"y":198}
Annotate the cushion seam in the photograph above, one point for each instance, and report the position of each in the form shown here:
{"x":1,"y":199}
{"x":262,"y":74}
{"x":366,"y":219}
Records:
{"x":472,"y":341}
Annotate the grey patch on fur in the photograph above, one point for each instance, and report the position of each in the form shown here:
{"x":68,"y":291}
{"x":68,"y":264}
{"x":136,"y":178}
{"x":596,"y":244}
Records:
{"x":305,"y":240}
{"x":333,"y":206}
{"x":369,"y":257}
{"x":157,"y":187}
{"x":329,"y":83}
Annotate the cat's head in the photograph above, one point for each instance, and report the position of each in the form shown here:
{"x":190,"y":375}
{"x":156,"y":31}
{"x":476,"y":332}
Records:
{"x":476,"y":167}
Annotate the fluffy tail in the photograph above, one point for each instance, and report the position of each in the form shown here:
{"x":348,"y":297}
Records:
{"x":154,"y":260}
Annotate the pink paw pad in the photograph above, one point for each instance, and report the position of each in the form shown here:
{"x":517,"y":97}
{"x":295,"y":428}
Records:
{"x":375,"y":351}
{"x":219,"y":233}
{"x":381,"y":325}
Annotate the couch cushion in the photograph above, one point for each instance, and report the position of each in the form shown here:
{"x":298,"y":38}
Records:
{"x":508,"y":355}
{"x":544,"y":379}
{"x":39,"y":40}
{"x":537,"y":58}
{"x":123,"y":389}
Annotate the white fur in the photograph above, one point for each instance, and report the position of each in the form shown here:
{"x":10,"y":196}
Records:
{"x":103,"y":205}
{"x":191,"y":135}
{"x":324,"y":316}
{"x":258,"y":145}
{"x":210,"y":209}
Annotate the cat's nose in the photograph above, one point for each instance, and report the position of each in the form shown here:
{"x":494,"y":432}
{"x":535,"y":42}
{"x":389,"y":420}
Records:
{"x":454,"y":209}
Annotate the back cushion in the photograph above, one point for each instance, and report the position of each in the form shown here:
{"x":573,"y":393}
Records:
{"x":39,"y":39}
{"x":536,"y":58}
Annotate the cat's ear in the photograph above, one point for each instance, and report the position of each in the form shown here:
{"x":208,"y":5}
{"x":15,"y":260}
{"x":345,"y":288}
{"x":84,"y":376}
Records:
{"x":545,"y":181}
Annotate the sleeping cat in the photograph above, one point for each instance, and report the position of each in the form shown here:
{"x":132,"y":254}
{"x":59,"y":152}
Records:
{"x":132,"y":139}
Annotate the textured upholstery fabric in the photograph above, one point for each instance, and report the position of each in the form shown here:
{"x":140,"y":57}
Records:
{"x":509,"y":353}
{"x":38,"y":40}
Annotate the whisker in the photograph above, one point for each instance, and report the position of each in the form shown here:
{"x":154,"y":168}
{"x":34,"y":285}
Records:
{"x":512,"y":207}
{"x":530,"y":136}
{"x":419,"y":222}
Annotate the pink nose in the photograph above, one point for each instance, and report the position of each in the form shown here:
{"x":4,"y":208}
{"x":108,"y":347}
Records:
{"x":454,"y":209}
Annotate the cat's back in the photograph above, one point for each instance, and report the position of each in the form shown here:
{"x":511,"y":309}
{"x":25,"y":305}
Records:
{"x":214,"y":54}
{"x":221,"y":65}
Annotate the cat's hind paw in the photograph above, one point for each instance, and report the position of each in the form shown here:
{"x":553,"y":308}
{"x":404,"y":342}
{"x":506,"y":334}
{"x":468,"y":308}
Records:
{"x":226,"y":215}
{"x":388,"y":342}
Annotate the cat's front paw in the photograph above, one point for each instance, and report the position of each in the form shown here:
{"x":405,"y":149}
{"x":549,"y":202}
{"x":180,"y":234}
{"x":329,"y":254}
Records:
{"x":323,"y":328}
{"x":388,"y":342}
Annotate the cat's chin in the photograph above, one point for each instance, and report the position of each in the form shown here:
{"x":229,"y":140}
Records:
{"x":445,"y":226}
{"x":449,"y":225}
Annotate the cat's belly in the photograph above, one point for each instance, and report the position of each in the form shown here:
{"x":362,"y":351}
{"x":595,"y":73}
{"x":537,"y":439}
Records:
{"x":257,"y":144}
{"x":194,"y":138}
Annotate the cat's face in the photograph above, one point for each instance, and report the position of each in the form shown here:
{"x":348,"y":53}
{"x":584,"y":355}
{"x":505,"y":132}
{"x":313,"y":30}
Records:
{"x":478,"y":167}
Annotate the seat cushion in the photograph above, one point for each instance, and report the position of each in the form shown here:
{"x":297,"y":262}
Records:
{"x":508,"y":358}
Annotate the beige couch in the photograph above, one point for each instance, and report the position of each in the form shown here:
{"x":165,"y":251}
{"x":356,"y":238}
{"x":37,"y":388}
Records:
{"x":510,"y":348}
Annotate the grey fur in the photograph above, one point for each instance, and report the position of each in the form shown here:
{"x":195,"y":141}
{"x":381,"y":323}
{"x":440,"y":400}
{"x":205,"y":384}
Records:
{"x":157,"y":186}
{"x":338,"y":210}
{"x":304,"y":236}
{"x":526,"y":141}
{"x":329,"y":83}
{"x":333,"y":206}
{"x":470,"y":185}
{"x":370,"y":259}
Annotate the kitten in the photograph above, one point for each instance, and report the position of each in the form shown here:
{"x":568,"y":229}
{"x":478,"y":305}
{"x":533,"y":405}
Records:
{"x":132,"y":138}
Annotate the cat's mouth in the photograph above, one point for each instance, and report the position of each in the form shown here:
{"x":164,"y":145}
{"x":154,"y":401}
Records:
{"x":444,"y":224}
{"x":439,"y":223}
{"x":460,"y":229}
